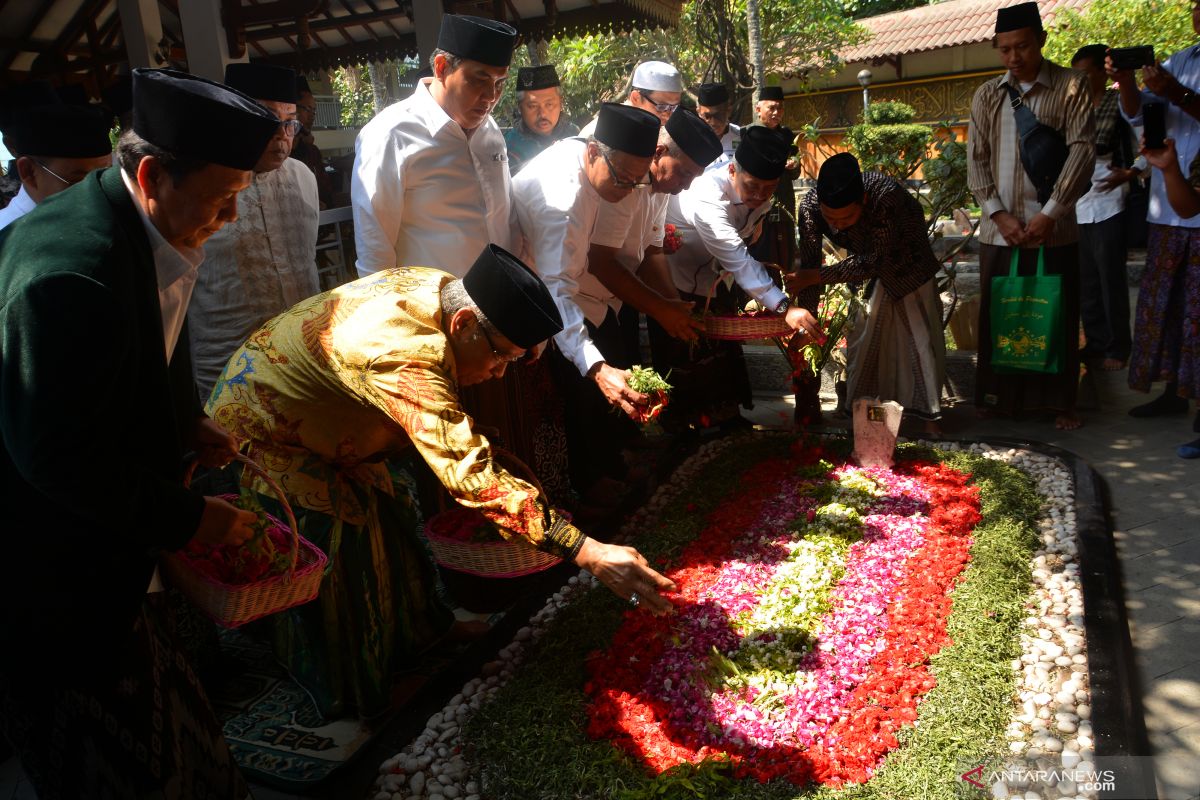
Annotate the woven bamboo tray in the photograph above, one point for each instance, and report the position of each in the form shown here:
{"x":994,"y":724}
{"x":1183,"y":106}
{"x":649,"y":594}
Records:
{"x":742,"y":327}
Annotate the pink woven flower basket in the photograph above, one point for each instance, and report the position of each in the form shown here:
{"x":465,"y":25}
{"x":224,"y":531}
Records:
{"x":234,"y":605}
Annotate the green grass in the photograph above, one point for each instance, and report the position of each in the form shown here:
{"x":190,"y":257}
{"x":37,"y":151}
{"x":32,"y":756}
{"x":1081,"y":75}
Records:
{"x":529,"y":742}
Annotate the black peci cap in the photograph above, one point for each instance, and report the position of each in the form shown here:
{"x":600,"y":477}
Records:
{"x":118,"y":96}
{"x":302,"y":86}
{"x":513,"y":297}
{"x":192,"y":117}
{"x":477,"y":39}
{"x":840,"y":181}
{"x":770,"y":93}
{"x":262,"y":81}
{"x":712,"y":94}
{"x":694,"y":136}
{"x":627,"y":129}
{"x":530,"y":79}
{"x":1022,"y":15}
{"x":61,"y":131}
{"x":762,"y":152}
{"x":73,"y":94}
{"x":19,"y":97}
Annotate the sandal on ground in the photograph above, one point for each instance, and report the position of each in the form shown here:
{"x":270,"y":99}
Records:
{"x":1189,"y":450}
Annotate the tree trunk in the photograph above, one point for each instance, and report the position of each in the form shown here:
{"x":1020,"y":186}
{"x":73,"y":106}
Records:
{"x":754,"y":35}
{"x":379,"y":85}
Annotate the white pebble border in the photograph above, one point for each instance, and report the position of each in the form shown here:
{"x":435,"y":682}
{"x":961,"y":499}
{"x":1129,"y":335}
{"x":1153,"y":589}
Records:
{"x":1051,"y":731}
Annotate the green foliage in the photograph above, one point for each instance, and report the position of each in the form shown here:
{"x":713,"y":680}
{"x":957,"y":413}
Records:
{"x":890,"y":112}
{"x":1166,"y":24}
{"x":946,"y":174}
{"x":352,"y":85}
{"x":897,"y":148}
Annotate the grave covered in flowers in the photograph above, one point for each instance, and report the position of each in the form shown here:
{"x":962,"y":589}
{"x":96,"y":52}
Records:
{"x":839,"y":631}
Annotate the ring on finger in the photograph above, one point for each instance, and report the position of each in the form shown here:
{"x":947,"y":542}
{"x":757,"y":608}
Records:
{"x":634,"y":600}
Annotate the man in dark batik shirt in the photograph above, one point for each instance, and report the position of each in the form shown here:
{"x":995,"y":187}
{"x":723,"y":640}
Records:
{"x":541,"y":122}
{"x":897,"y":351}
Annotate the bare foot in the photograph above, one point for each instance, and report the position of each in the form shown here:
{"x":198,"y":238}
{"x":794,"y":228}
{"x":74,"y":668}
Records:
{"x":1068,"y":422}
{"x":1113,"y":364}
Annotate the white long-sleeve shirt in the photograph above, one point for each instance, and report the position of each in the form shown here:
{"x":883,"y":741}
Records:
{"x":425,"y":192}
{"x":557,"y":210}
{"x":1185,"y":66}
{"x":715,"y":225}
{"x":18,"y":207}
{"x":729,"y":144}
{"x":254,"y":268}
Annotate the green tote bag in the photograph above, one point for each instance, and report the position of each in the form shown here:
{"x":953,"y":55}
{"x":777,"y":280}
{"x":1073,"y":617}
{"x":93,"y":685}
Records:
{"x":1026,"y":314}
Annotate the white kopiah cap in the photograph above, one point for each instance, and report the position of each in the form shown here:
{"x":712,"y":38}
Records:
{"x":657,"y":76}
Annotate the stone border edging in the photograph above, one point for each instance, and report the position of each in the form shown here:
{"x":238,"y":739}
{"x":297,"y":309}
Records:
{"x":1118,"y":717}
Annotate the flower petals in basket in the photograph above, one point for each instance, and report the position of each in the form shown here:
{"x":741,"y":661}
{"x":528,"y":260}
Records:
{"x":276,"y":570}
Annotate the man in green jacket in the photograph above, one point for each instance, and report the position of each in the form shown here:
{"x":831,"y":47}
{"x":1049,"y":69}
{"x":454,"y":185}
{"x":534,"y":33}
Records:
{"x":97,"y":409}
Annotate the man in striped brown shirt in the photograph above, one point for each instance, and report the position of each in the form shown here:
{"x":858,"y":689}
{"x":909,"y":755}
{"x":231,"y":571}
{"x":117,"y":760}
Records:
{"x":1012,"y":214}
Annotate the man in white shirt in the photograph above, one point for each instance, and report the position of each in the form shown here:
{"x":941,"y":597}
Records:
{"x":717,"y":219}
{"x":56,"y":147}
{"x":636,"y":273}
{"x":713,"y":106}
{"x":557,"y":197}
{"x":431,"y":185}
{"x":655,"y":86}
{"x":264,"y":262}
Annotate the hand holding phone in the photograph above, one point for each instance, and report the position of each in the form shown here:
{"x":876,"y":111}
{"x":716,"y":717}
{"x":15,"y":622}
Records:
{"x":1124,"y":58}
{"x":1154,"y":125}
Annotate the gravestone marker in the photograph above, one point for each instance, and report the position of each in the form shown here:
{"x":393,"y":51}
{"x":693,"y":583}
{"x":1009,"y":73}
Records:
{"x":876,"y":426}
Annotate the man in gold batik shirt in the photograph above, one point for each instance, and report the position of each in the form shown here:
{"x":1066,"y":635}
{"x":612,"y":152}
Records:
{"x":333,"y":394}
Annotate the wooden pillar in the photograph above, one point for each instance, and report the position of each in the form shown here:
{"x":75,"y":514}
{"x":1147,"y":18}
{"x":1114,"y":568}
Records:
{"x":427,"y":19}
{"x":141,"y":25}
{"x":204,"y":38}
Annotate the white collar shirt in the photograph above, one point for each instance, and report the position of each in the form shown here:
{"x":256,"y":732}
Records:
{"x":18,"y":207}
{"x":255,"y":268}
{"x":557,"y":210}
{"x":643,"y":214}
{"x":1097,"y":205}
{"x":425,"y":193}
{"x":729,"y":143}
{"x":715,"y":226}
{"x":175,"y":271}
{"x":1185,"y":66}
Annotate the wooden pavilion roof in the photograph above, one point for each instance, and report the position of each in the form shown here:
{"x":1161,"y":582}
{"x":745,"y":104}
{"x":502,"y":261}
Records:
{"x":80,"y":41}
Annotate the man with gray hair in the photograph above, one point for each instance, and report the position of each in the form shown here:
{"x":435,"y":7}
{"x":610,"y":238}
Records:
{"x":96,"y":282}
{"x":431,"y":183}
{"x":540,"y":122}
{"x":557,"y":198}
{"x":718,"y":218}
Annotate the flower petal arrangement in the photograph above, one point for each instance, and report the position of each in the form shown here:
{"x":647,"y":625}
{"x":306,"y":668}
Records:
{"x":839,"y":631}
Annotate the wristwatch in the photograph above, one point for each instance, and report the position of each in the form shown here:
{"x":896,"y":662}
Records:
{"x":783,"y":306}
{"x":1186,"y":99}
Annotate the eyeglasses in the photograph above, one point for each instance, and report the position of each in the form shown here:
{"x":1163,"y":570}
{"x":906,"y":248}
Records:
{"x":56,"y":175}
{"x":665,"y":108}
{"x":618,"y":181}
{"x":290,"y":127}
{"x":500,"y":359}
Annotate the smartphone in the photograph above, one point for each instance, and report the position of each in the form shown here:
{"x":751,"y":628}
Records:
{"x":1132,"y":57}
{"x":1154,"y":125}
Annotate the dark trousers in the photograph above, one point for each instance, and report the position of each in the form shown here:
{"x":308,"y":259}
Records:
{"x":709,"y":376}
{"x":595,"y":433}
{"x":1017,"y":392}
{"x":1104,"y":288}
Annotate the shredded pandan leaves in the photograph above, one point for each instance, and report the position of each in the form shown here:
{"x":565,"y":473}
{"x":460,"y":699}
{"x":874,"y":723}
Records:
{"x":646,"y":380}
